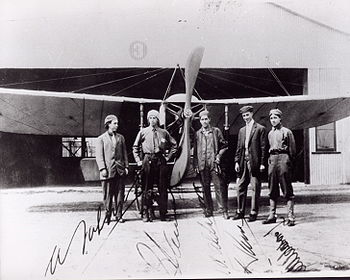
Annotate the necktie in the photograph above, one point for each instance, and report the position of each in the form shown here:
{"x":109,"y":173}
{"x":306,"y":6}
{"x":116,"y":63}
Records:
{"x":114,"y":140}
{"x":155,"y":141}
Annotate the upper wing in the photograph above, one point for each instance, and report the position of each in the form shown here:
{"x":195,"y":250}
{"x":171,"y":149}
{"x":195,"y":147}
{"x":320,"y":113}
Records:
{"x":67,"y":114}
{"x":58,"y":113}
{"x":299,"y":112}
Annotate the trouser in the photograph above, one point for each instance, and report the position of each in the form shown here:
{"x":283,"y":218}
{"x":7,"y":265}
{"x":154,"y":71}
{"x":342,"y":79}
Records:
{"x":114,"y":187}
{"x":154,"y":171}
{"x":280,"y":176}
{"x":221,"y":190}
{"x":242,"y":189}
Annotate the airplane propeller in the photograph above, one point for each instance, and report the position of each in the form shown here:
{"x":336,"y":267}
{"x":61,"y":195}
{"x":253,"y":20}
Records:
{"x":191,"y":72}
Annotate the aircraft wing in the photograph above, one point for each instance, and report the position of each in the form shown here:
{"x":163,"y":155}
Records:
{"x":299,"y":112}
{"x":67,"y":114}
{"x":58,"y":113}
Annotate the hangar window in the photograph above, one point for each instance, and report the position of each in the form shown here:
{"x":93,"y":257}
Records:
{"x":73,"y":147}
{"x":326,"y":138}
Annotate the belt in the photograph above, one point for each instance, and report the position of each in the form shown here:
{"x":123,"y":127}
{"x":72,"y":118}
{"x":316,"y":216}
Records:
{"x":154,"y":154}
{"x":277,"y":152}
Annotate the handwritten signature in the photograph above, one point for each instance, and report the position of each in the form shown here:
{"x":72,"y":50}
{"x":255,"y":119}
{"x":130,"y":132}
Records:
{"x":292,"y":262}
{"x":243,"y":244}
{"x":59,"y":256}
{"x":167,"y":257}
{"x":214,"y":242}
{"x":88,"y":234}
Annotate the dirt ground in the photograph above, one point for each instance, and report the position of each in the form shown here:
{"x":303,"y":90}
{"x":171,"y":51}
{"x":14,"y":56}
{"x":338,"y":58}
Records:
{"x":57,"y":231}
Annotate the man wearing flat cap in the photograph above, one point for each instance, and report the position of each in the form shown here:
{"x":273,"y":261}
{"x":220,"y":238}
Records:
{"x":209,"y":146}
{"x":152,"y":149}
{"x":112,"y":161}
{"x":282,"y":154}
{"x":250,"y":159}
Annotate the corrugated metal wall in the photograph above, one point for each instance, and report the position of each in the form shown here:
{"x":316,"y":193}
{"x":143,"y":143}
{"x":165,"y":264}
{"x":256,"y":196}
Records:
{"x":330,"y":168}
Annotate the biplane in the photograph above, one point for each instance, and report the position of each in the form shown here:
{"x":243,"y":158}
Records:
{"x":65,"y":114}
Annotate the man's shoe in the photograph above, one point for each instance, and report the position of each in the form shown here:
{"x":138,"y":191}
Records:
{"x":290,"y":223}
{"x":225,"y":216}
{"x":252,"y":217}
{"x":108,"y":218}
{"x":208,"y":213}
{"x":238,"y":216}
{"x":269,"y":221}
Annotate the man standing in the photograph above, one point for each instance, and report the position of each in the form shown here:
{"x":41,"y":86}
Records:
{"x":209,"y":146}
{"x":282,"y":154}
{"x":157,"y":147}
{"x":112,"y":161}
{"x":249,"y":162}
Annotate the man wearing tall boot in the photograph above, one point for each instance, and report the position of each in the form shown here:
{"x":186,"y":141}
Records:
{"x":250,"y":159}
{"x":282,"y":154}
{"x":157,"y":147}
{"x":112,"y":161}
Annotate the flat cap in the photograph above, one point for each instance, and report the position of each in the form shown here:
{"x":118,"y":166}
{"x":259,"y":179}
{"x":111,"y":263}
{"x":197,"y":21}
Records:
{"x":204,"y":113}
{"x":276,"y":112}
{"x":154,"y":113}
{"x":110,"y":118}
{"x":246,"y":109}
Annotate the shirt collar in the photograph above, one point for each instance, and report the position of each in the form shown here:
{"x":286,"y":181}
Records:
{"x":250,"y":124}
{"x":278,"y":127}
{"x":210,"y":129}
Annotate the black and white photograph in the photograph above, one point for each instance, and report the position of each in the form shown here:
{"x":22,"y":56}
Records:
{"x":162,"y":139}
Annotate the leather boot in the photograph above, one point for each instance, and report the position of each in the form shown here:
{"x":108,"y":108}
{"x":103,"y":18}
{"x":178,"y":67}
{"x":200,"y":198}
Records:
{"x":291,"y":217}
{"x":145,"y":216}
{"x":272,"y":215}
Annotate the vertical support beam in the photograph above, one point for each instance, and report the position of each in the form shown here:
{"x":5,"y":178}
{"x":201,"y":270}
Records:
{"x":306,"y":157}
{"x":165,"y":107}
{"x":306,"y":133}
{"x":141,"y":116}
{"x":226,"y":125}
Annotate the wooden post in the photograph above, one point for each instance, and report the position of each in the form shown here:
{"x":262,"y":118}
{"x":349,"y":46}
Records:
{"x":226,"y":125}
{"x":141,"y":116}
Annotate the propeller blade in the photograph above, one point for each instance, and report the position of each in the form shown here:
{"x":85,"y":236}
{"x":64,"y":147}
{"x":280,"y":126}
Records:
{"x":180,"y":165}
{"x":191,"y":72}
{"x":162,"y":114}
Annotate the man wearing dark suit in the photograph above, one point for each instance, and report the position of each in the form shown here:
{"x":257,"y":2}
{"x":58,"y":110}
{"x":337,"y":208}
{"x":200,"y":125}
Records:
{"x":152,"y":149}
{"x":112,"y":161}
{"x":249,"y":162}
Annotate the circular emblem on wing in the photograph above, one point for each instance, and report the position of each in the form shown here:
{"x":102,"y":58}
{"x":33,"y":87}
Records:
{"x":188,"y":113}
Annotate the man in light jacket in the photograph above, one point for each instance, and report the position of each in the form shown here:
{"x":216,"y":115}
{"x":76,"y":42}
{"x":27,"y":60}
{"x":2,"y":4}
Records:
{"x":112,"y":161}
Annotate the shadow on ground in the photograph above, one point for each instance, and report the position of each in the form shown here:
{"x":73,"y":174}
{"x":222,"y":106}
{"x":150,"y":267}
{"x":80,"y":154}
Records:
{"x":190,"y":203}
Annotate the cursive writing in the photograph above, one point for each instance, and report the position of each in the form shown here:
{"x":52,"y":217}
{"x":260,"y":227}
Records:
{"x":167,"y":257}
{"x":243,"y":244}
{"x":60,"y":258}
{"x":292,"y":262}
{"x":214,"y":243}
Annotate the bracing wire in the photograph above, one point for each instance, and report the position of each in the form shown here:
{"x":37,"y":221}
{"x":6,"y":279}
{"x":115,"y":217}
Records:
{"x":114,"y":81}
{"x":65,"y":78}
{"x":252,"y":77}
{"x":278,"y":81}
{"x":137,"y":83}
{"x":240,"y":84}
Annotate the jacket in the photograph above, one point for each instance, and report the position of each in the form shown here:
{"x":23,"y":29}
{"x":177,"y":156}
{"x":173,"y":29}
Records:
{"x":220,"y":146}
{"x":257,"y":147}
{"x":113,"y":159}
